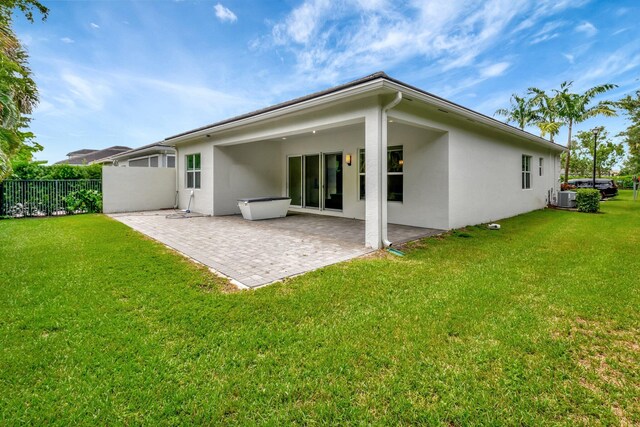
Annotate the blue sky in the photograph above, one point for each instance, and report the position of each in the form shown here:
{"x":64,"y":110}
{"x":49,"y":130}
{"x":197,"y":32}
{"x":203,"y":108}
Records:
{"x":134,"y":72}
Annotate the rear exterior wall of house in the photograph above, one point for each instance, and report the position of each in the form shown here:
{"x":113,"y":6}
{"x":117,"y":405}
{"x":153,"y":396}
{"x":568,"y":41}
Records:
{"x":455,"y":172}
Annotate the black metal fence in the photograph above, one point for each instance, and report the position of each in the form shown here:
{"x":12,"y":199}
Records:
{"x":29,"y":198}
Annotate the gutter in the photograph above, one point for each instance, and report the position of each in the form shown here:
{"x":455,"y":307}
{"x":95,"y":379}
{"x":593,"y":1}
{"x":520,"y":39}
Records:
{"x":176,"y":204}
{"x":383,"y":167}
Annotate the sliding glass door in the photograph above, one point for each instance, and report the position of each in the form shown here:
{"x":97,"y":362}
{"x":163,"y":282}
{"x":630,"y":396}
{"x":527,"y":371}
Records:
{"x":312,"y":181}
{"x":333,"y":181}
{"x":315,"y":181}
{"x":295,"y":180}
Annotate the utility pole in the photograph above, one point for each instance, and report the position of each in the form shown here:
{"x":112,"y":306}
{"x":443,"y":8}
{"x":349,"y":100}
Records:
{"x":596,"y":131}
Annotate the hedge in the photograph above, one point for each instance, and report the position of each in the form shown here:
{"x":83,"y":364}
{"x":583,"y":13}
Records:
{"x":37,"y":171}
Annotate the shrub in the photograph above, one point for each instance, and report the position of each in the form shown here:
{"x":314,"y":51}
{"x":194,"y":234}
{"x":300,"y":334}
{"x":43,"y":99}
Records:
{"x":588,"y":200}
{"x":625,"y":181}
{"x":84,"y":201}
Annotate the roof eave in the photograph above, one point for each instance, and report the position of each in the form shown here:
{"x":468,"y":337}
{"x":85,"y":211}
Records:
{"x":369,"y":86}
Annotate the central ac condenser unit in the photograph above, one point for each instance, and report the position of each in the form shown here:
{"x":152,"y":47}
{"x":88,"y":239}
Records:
{"x":567,"y":199}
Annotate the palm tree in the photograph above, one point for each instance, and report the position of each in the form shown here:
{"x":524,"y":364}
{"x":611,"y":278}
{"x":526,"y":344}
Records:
{"x":574,"y":108}
{"x":18,"y":91}
{"x":520,"y":111}
{"x":546,"y":112}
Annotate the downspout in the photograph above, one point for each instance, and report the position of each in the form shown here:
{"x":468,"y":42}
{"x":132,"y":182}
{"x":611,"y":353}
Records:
{"x":177,"y":200}
{"x":383,"y":157}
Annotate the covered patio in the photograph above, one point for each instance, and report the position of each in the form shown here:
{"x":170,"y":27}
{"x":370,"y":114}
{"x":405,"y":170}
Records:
{"x":256,"y":253}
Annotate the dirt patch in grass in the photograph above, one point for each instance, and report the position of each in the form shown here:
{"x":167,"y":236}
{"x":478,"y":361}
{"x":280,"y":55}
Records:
{"x":608,"y":358}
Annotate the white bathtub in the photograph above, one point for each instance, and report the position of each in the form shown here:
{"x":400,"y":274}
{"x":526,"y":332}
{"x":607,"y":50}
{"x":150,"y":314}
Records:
{"x":264,"y":207}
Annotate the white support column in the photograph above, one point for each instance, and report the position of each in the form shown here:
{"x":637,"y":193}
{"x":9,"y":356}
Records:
{"x":373,"y":177}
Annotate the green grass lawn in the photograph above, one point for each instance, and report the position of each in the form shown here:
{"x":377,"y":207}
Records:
{"x":538,"y":323}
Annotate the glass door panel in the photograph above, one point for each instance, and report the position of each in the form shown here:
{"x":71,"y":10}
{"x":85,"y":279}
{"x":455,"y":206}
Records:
{"x":295,"y":180}
{"x":312,"y":181}
{"x":333,"y":181}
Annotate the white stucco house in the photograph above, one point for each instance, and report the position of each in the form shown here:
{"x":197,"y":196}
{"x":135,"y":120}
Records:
{"x":374,"y":149}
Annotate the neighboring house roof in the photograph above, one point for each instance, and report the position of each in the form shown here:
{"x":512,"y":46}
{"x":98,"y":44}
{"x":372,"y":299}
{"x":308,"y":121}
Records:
{"x":81,"y":152}
{"x":98,"y":156}
{"x":376,"y":81}
{"x":153,"y":148}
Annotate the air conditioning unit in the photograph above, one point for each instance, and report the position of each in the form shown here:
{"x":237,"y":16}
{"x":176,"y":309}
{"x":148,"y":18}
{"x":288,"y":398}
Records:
{"x":567,"y":199}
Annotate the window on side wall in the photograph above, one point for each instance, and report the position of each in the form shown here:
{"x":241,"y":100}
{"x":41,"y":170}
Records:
{"x":541,"y":166}
{"x":193,"y":170}
{"x":526,"y":172}
{"x":171,"y":161}
{"x":139,"y":163}
{"x":395,"y":174}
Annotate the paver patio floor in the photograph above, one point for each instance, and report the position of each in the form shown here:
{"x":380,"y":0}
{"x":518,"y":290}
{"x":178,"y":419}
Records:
{"x":256,"y":253}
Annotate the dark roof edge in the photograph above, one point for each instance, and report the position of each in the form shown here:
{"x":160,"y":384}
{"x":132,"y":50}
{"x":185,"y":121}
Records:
{"x":144,"y":147}
{"x":81,"y":152}
{"x":371,"y":77}
{"x":375,"y":76}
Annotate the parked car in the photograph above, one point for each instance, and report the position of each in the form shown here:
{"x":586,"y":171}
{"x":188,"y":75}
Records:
{"x":607,"y":187}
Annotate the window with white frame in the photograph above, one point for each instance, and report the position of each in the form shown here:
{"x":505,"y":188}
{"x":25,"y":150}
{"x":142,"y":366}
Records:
{"x":541,"y":166}
{"x":193,"y":170}
{"x":395,"y":174}
{"x":526,"y":172}
{"x":171,"y":161}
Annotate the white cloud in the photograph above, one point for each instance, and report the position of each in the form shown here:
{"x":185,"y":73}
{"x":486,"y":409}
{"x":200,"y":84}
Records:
{"x":328,"y":38}
{"x":620,"y":31}
{"x":622,"y":11}
{"x":587,"y":28}
{"x":547,"y":32}
{"x":85,"y":92}
{"x":494,"y":70}
{"x":544,"y":38}
{"x":224,"y":14}
{"x":67,"y":40}
{"x":485,"y":72}
{"x":302,"y":22}
{"x":569,"y":57}
{"x":94,"y":25}
{"x":549,"y":27}
{"x":610,"y":65}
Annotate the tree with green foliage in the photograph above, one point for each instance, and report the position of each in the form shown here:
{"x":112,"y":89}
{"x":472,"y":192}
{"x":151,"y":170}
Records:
{"x":546,"y":112}
{"x":520,"y":112}
{"x":608,"y":153}
{"x":18,"y":91}
{"x":573,"y":108}
{"x":630,"y":105}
